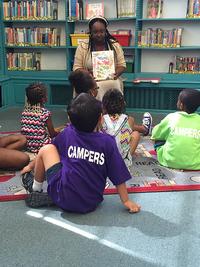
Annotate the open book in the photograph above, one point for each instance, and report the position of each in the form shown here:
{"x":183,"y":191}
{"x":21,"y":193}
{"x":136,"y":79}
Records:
{"x":103,"y":65}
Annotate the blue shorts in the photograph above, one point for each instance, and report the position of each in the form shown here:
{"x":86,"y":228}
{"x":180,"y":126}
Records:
{"x":54,"y":173}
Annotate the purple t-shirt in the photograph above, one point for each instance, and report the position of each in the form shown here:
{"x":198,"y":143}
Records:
{"x":87,"y":159}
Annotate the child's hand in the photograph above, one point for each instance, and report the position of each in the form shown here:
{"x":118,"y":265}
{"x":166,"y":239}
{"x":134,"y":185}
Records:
{"x":132,"y":206}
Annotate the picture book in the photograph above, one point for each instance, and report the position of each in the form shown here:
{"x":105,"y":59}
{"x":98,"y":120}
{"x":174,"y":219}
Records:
{"x":193,"y":9}
{"x":154,"y":9}
{"x":94,"y":9}
{"x":103,"y":64}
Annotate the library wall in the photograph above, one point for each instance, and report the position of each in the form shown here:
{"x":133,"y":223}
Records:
{"x":56,"y":59}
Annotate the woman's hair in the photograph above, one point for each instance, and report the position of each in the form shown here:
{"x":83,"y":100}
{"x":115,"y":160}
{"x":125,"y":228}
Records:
{"x":190,"y":98}
{"x":109,"y":39}
{"x":84,"y":112}
{"x":36,"y":93}
{"x":113,"y":102}
{"x":82,"y":81}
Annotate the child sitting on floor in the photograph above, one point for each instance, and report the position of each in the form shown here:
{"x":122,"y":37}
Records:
{"x":36,"y":122}
{"x":122,"y":126}
{"x":78,"y":162}
{"x":177,"y":136}
{"x":11,"y":158}
{"x":83,"y":82}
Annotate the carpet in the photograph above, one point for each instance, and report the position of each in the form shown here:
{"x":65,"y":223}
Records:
{"x":148,"y":176}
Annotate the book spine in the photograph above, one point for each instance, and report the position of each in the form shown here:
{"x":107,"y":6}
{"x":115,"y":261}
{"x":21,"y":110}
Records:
{"x":69,"y":10}
{"x":73,"y":9}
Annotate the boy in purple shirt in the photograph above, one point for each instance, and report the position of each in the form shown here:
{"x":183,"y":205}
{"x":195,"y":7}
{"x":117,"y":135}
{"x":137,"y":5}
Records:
{"x":78,"y":162}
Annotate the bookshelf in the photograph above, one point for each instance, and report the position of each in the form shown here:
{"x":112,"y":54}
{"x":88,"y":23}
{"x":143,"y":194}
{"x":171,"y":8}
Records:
{"x":56,"y":59}
{"x":158,"y":58}
{"x":33,"y":48}
{"x":117,"y":21}
{"x":32,"y":33}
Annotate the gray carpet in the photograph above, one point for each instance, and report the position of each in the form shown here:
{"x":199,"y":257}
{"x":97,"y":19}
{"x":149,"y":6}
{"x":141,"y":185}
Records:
{"x":165,"y":233}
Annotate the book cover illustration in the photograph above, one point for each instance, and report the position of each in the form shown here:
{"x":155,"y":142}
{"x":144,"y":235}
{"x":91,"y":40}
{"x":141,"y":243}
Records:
{"x":193,"y":9}
{"x":103,"y":64}
{"x":94,"y":9}
{"x":154,"y":9}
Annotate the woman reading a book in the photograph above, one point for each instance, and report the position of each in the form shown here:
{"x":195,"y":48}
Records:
{"x":106,"y":67}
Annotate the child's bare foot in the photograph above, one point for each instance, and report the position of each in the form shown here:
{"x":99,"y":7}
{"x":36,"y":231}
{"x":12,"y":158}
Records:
{"x":132,"y":206}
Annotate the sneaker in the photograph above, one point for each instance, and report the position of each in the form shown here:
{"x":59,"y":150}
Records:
{"x":27,"y":181}
{"x":147,"y":122}
{"x":38,"y":199}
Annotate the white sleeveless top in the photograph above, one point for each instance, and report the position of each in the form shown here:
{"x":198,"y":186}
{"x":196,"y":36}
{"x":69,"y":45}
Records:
{"x":120,"y":128}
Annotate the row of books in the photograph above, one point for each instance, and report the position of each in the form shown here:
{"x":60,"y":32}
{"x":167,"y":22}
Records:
{"x":187,"y":64}
{"x":24,"y":61}
{"x":30,"y":9}
{"x":125,"y":8}
{"x":193,"y":9}
{"x":32,"y":36}
{"x":160,"y":38}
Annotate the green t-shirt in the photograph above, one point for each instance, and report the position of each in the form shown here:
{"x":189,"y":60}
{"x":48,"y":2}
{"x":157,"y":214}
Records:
{"x":181,"y":131}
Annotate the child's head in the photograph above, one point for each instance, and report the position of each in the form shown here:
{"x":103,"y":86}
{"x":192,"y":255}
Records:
{"x":36,"y":94}
{"x":113,"y":102}
{"x":188,"y":100}
{"x":84,"y":112}
{"x":83,"y":82}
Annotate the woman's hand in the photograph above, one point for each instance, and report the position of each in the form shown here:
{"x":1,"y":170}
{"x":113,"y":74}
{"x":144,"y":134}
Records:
{"x":118,"y":72}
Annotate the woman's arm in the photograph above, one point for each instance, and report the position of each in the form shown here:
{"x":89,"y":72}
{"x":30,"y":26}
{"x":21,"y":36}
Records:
{"x":118,"y":72}
{"x":80,"y":56}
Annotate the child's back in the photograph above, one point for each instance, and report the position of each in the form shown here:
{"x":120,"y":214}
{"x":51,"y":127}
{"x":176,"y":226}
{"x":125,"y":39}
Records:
{"x":91,"y":157}
{"x":119,"y":125}
{"x":180,"y":132}
{"x":36,"y":122}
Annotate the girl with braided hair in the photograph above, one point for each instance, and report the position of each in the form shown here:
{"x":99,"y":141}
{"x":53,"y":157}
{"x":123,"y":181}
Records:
{"x":100,"y":40}
{"x":122,"y":126}
{"x":36,"y":122}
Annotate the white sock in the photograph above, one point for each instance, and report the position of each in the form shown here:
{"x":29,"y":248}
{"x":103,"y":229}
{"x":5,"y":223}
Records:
{"x":37,"y":186}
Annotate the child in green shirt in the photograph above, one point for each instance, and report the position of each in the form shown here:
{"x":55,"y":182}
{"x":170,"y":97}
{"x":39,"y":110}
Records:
{"x":177,"y":136}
